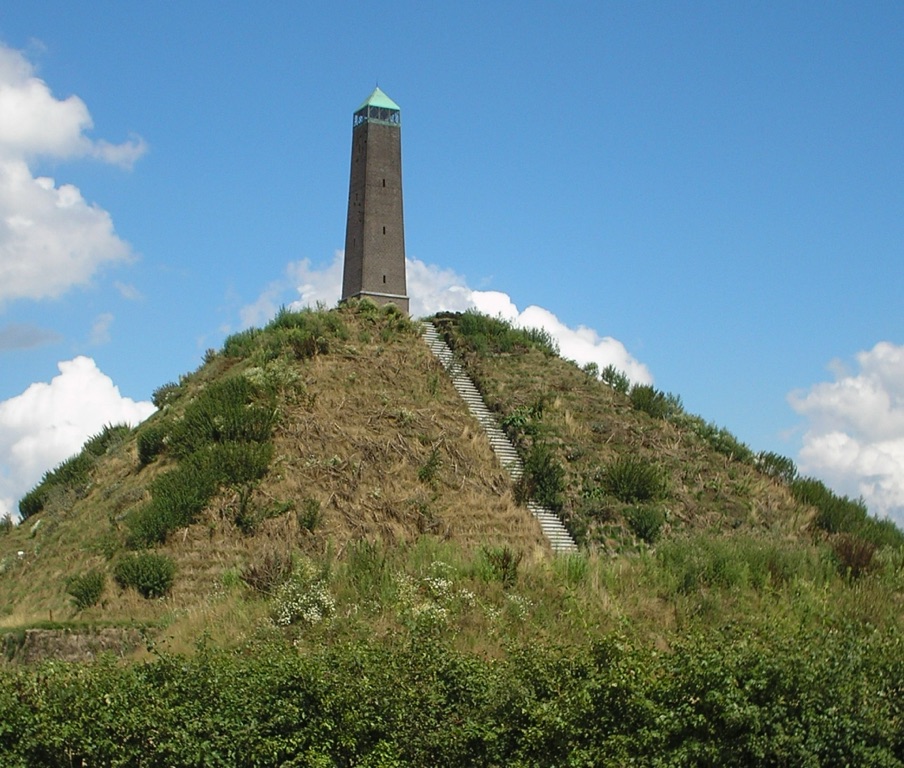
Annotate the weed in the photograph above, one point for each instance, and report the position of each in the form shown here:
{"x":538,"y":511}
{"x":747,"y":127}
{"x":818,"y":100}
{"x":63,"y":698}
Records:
{"x":428,"y":472}
{"x":266,"y":573}
{"x":86,"y":589}
{"x":310,"y":515}
{"x":501,"y":564}
{"x":855,"y":556}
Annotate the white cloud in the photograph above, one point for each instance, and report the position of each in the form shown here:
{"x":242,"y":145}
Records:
{"x":51,"y":238}
{"x":433,"y":289}
{"x":49,"y":422}
{"x":854,"y":439}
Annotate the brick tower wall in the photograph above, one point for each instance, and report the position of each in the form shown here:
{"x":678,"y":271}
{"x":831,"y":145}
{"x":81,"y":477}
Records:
{"x":375,"y":233}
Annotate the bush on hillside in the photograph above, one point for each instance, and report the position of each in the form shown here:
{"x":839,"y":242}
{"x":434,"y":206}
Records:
{"x":71,"y":476}
{"x":632,"y":480}
{"x":86,"y":589}
{"x":151,"y":442}
{"x":149,"y":573}
{"x":109,"y":437}
{"x":543,"y":479}
{"x":616,"y":379}
{"x":645,"y":522}
{"x":659,"y":405}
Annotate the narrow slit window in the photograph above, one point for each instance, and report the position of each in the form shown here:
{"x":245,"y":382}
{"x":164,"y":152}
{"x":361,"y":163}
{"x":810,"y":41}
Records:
{"x":384,"y":182}
{"x":384,"y":279}
{"x":384,"y":230}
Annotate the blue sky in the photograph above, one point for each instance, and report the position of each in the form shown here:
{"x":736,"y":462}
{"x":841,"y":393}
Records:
{"x":712,"y":191}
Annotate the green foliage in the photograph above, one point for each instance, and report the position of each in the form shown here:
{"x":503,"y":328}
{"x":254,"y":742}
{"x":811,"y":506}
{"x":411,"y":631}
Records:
{"x":242,"y":344}
{"x":720,"y":439}
{"x":151,"y":441}
{"x":72,"y":476}
{"x":86,"y":589}
{"x":543,"y":480}
{"x":826,"y":696}
{"x":224,"y":412}
{"x":840,"y":514}
{"x":165,"y":394}
{"x":645,"y":522}
{"x":500,"y":564}
{"x":631,"y":480}
{"x":738,"y":562}
{"x":149,"y":573}
{"x":109,"y":437}
{"x":616,"y":379}
{"x":659,"y":405}
{"x":776,"y":466}
{"x":180,"y":495}
{"x":428,"y":472}
{"x":493,"y":335}
{"x":6,"y":523}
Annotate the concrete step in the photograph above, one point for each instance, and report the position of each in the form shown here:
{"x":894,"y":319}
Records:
{"x":559,"y":539}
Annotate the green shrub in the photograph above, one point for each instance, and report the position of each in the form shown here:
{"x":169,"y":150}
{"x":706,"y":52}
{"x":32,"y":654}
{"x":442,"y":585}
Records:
{"x":241,"y":344}
{"x":149,"y":573}
{"x":776,"y":466}
{"x":500,"y":564}
{"x":645,"y":522}
{"x":616,"y":379}
{"x":6,"y":523}
{"x":719,"y":439}
{"x":86,"y":589}
{"x":543,"y":479}
{"x":659,"y":405}
{"x":110,"y":436}
{"x":223,"y":412}
{"x":428,"y":472}
{"x":151,"y":442}
{"x":73,"y":475}
{"x":165,"y":394}
{"x":493,"y":335}
{"x":633,"y":480}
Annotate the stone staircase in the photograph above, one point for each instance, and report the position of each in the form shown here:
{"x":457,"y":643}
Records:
{"x":559,"y":538}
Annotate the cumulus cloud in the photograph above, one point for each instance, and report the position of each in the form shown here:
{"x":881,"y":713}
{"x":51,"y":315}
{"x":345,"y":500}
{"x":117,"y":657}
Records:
{"x":49,"y":422}
{"x":854,"y":438}
{"x":433,"y":289}
{"x":51,"y":238}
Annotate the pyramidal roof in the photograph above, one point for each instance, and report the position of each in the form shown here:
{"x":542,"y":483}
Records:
{"x":379,"y":99}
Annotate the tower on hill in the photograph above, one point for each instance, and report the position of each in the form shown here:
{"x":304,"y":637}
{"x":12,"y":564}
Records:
{"x":374,"y":232}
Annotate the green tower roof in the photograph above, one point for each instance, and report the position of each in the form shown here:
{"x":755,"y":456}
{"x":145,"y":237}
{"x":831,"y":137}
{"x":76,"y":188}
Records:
{"x":379,"y":99}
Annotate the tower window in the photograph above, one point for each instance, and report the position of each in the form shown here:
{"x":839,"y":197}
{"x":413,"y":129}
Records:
{"x":384,"y":230}
{"x":384,"y":182}
{"x":384,"y":279}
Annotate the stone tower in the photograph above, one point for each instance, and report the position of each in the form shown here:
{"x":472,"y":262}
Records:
{"x":374,"y":233}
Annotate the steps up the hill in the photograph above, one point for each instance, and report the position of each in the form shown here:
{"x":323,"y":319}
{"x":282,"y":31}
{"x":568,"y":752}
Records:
{"x":552,"y":527}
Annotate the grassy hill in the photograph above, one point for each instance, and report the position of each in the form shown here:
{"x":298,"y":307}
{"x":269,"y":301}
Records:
{"x":318,"y":492}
